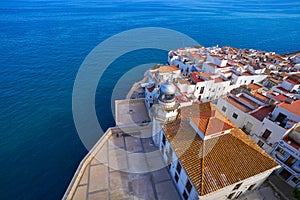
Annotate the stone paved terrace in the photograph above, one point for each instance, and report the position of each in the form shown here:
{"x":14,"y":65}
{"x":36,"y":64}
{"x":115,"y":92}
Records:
{"x":131,"y":111}
{"x":99,"y":175}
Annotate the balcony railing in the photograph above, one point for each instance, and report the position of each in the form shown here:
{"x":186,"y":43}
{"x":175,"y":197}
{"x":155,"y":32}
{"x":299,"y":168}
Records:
{"x":296,"y":168}
{"x":279,"y":156}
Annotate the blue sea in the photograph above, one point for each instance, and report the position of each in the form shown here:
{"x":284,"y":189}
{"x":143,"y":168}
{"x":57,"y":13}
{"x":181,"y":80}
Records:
{"x":44,"y":42}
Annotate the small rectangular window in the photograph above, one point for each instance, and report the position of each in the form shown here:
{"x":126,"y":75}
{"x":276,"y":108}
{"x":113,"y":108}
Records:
{"x":224,"y":109}
{"x":201,"y":90}
{"x":164,"y":139}
{"x":266,"y":134}
{"x":295,"y":180}
{"x":188,"y":186}
{"x":235,"y":116}
{"x":176,"y":177}
{"x":231,"y":195}
{"x":260,"y":143}
{"x":237,"y":186}
{"x":251,"y":187}
{"x":178,"y":167}
{"x":238,"y":194}
{"x":185,"y":195}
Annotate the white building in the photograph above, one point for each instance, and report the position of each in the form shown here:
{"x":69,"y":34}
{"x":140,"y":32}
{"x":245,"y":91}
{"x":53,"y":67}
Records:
{"x":287,"y":154}
{"x":208,"y":157}
{"x":277,"y":124}
{"x":209,"y":86}
{"x":289,"y":85}
{"x":246,"y":77}
{"x":264,"y":122}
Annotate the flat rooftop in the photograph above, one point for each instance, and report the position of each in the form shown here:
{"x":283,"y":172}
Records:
{"x":237,"y":104}
{"x":131,"y":111}
{"x":263,"y":112}
{"x":293,"y":107}
{"x":107,"y":172}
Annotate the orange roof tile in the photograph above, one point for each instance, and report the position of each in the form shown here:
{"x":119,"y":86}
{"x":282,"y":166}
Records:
{"x":167,"y":69}
{"x":260,"y":97}
{"x":254,"y":86}
{"x":217,"y":162}
{"x":293,"y":107}
{"x":263,"y":112}
{"x":210,"y":125}
{"x":280,"y":97}
{"x":237,"y":104}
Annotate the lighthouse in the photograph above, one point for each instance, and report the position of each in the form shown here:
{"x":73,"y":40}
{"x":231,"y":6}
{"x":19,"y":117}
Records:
{"x":165,"y":110}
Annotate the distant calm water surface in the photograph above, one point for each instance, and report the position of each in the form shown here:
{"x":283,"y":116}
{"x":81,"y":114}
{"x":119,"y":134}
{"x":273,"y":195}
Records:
{"x":43,"y":43}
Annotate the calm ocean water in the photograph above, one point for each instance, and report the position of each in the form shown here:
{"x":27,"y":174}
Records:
{"x":42,"y":44}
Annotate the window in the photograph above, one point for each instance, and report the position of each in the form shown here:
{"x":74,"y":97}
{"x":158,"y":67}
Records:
{"x":281,"y":151}
{"x":237,"y":186}
{"x":260,"y":143}
{"x":188,"y":186}
{"x":285,"y":174}
{"x":176,"y":177}
{"x":290,"y":161}
{"x":224,"y":109}
{"x":235,"y":116}
{"x":249,"y":125}
{"x":164,"y":139}
{"x":238,"y":194}
{"x":251,"y":187}
{"x":201,"y":90}
{"x":231,"y":195}
{"x":266,"y":134}
{"x":178,"y":168}
{"x":295,"y":180}
{"x":185,"y":195}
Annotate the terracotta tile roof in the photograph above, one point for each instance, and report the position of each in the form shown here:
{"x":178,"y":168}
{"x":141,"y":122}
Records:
{"x":283,"y":90}
{"x":293,"y":107}
{"x":254,"y":86}
{"x":167,"y":69}
{"x":263,"y":112}
{"x":218,"y":162}
{"x":199,"y":77}
{"x":237,"y":104}
{"x":248,"y":101}
{"x":210,"y":125}
{"x":280,"y":97}
{"x":287,"y":139}
{"x":260,"y":97}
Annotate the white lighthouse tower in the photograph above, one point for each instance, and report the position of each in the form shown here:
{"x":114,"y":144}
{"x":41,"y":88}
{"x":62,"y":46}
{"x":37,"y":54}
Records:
{"x":165,"y":110}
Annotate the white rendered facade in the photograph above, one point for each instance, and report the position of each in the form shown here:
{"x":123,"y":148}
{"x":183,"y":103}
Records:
{"x":287,"y":154}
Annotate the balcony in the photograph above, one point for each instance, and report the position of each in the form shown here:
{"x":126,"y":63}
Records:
{"x":296,"y":168}
{"x":279,"y":156}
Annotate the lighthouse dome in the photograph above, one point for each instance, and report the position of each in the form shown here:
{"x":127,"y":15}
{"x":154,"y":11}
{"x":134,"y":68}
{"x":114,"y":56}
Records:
{"x":168,"y":89}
